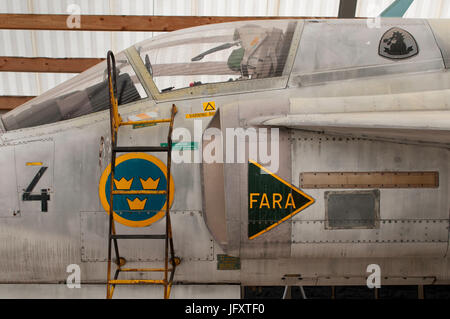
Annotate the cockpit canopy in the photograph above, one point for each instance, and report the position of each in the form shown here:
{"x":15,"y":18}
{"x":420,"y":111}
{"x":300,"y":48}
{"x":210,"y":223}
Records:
{"x":85,"y":93}
{"x":219,"y":53}
{"x":226,"y":52}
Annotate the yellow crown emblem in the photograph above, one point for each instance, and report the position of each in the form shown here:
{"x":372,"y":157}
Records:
{"x":149,"y":183}
{"x":136,"y":204}
{"x":123,"y":183}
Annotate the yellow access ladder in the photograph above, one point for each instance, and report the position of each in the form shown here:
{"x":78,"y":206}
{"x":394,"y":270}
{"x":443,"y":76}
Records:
{"x":116,"y":121}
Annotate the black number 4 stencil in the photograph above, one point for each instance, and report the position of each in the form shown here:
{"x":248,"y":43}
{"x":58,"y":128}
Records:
{"x":43,"y":197}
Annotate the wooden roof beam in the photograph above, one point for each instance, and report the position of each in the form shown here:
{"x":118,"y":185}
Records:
{"x":51,"y":65}
{"x":9,"y":102}
{"x":118,"y":22}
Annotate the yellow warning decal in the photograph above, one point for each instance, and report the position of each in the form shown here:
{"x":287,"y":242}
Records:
{"x":195,"y":115}
{"x":34,"y":164}
{"x":209,"y":106}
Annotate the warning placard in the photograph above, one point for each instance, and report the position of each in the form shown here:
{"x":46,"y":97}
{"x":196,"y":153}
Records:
{"x":197,"y":115}
{"x":271,"y":200}
{"x":209,"y":106}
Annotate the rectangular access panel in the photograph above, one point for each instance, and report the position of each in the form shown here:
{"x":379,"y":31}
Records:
{"x":352,"y":209}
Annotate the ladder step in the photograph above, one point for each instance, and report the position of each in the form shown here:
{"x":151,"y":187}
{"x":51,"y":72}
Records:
{"x":162,"y":236}
{"x":136,"y":282}
{"x":145,"y":269}
{"x":124,"y":149}
{"x":139,"y":192}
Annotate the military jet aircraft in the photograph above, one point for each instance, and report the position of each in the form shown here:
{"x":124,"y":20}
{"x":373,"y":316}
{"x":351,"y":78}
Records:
{"x":349,"y":168}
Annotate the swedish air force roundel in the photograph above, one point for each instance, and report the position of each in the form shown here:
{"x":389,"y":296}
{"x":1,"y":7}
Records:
{"x":398,"y":44}
{"x":135,"y":172}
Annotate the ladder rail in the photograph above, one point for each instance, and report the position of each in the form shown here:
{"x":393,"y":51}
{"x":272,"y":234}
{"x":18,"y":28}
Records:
{"x":169,"y":238}
{"x":168,"y":219}
{"x":113,"y":110}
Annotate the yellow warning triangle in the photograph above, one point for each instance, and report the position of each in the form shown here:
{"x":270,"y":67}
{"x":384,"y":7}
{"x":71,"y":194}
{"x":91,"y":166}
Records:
{"x":209,"y":106}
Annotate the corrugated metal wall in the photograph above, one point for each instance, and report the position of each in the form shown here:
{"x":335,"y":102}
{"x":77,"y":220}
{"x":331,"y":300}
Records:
{"x":95,"y":44}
